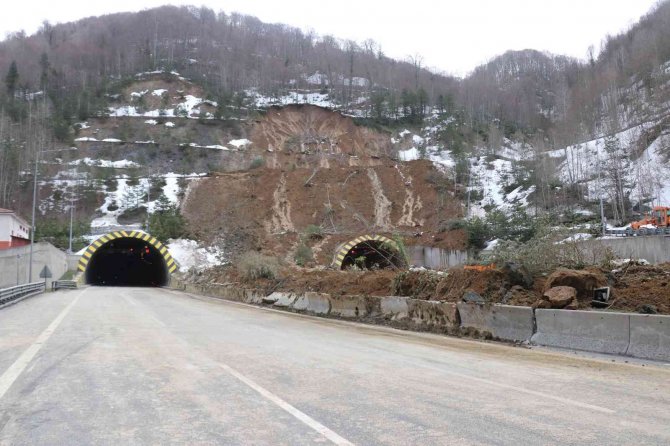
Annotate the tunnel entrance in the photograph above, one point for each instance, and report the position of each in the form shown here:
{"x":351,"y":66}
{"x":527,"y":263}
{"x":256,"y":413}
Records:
{"x":369,"y":252}
{"x":127,"y":259}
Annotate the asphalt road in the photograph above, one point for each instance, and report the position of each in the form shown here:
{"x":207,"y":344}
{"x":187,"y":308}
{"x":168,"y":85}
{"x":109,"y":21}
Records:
{"x":150,"y":366}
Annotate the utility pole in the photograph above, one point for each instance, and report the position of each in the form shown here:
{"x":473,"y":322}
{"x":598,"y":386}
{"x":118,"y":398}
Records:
{"x":32,"y":229}
{"x":69,"y":249}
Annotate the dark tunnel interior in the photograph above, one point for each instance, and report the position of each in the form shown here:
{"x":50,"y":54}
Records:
{"x":372,"y":254}
{"x":127,"y":262}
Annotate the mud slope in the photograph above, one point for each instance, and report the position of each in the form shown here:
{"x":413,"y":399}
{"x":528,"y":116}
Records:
{"x":270,"y":209}
{"x":308,"y":129}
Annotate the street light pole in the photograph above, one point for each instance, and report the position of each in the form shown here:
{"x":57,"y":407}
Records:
{"x":69,"y":249}
{"x":32,"y":231}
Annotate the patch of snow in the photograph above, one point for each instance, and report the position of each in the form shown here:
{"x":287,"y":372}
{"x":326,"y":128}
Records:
{"x":151,"y":122}
{"x":409,"y":155}
{"x":416,"y":139}
{"x":239,"y":142}
{"x":85,"y":138}
{"x":190,"y":255}
{"x":120,"y":164}
{"x":139,"y":94}
{"x":404,"y":133}
{"x":576,"y":237}
{"x":169,"y":124}
{"x":126,"y":110}
{"x":111,"y":140}
{"x":158,"y":92}
{"x":83,"y":125}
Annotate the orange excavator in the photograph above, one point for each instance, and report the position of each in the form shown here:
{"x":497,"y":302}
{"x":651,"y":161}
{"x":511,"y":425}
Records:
{"x":659,"y":217}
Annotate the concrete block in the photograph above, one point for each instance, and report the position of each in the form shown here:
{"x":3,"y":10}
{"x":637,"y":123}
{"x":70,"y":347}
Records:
{"x":283,"y":299}
{"x":394,"y":307}
{"x":313,"y":302}
{"x":348,"y":306}
{"x":649,"y":336}
{"x":507,"y":322}
{"x":253,"y":296}
{"x":594,"y":331}
{"x":429,"y":312}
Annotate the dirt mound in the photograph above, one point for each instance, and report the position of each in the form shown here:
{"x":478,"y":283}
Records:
{"x":429,"y":285}
{"x":584,"y":281}
{"x":641,"y":288}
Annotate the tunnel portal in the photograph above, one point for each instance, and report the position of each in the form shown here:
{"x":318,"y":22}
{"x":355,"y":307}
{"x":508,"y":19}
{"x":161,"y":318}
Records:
{"x":369,"y":252}
{"x":127,"y":259}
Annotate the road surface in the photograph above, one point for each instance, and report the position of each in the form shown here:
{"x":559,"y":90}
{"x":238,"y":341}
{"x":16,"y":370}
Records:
{"x":153,"y":366}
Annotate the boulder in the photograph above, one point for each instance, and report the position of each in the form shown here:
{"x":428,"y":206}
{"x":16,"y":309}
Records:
{"x":583,"y":281}
{"x":560,"y":296}
{"x":471,"y":296}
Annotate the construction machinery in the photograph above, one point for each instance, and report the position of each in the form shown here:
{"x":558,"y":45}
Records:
{"x":659,"y":217}
{"x":656,"y":222}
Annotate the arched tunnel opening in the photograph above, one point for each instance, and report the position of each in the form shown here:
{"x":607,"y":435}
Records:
{"x":127,"y":262}
{"x":373,"y":254}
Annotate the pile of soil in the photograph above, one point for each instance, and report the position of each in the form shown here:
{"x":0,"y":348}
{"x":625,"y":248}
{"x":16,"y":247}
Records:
{"x":642,"y":288}
{"x":634,"y":288}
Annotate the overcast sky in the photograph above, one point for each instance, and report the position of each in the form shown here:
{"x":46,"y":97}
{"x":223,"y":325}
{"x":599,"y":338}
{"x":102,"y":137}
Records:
{"x":453,"y":36}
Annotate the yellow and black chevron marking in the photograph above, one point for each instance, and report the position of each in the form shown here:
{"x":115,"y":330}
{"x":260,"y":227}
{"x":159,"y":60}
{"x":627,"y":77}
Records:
{"x":339,"y":257}
{"x":169,"y":261}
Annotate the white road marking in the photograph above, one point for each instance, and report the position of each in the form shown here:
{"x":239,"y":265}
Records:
{"x":306,"y":419}
{"x":15,"y":370}
{"x":402,"y":333}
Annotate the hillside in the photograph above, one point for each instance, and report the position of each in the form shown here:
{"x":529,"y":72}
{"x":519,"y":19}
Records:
{"x":236,"y":108}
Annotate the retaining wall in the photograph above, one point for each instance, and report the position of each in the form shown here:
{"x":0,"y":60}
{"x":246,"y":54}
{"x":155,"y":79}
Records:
{"x":14,"y":263}
{"x":655,"y":249}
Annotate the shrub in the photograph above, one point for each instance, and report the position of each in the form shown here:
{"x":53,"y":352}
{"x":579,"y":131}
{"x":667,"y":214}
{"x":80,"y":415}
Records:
{"x":451,"y":225}
{"x":303,"y":255}
{"x":313,"y":232}
{"x":256,"y":163}
{"x":254,"y":266}
{"x":548,"y":249}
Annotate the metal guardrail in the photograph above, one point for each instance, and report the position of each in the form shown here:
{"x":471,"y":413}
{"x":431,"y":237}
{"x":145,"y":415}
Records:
{"x":629,"y":232}
{"x":63,"y":284}
{"x":8,"y":295}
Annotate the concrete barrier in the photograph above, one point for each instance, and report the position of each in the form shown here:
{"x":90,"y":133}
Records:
{"x":428,"y":312}
{"x":283,"y":299}
{"x":348,"y":306}
{"x":312,"y":302}
{"x":594,"y":331}
{"x":394,"y":307}
{"x":649,"y":337}
{"x":502,"y":321}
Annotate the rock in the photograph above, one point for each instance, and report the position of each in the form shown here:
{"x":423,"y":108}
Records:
{"x":471,"y":296}
{"x":584,"y":282}
{"x":560,"y":296}
{"x":647,"y":309}
{"x":573,"y":305}
{"x":517,"y":274}
{"x":541,"y":303}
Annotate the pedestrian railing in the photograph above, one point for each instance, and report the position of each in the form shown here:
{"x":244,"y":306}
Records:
{"x":63,"y":284}
{"x":8,"y":295}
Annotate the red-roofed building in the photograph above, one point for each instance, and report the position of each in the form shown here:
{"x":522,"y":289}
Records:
{"x":14,"y":231}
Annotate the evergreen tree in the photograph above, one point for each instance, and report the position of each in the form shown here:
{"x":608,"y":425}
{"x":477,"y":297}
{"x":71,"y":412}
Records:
{"x":12,"y":79}
{"x":166,"y":222}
